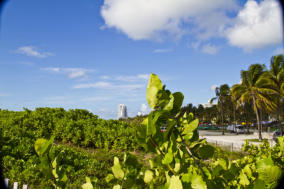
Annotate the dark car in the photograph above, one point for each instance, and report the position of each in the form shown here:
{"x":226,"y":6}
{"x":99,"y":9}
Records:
{"x":277,"y":134}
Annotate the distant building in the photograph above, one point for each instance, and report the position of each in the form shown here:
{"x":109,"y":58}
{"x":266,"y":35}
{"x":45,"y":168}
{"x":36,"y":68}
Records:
{"x":208,"y":105}
{"x":122,"y":111}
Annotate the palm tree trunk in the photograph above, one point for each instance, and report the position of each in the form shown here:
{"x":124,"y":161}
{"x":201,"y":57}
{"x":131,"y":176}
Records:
{"x":246,"y":114}
{"x":258,"y":119}
{"x":223,"y":132}
{"x":279,"y":115}
{"x":234,"y":115}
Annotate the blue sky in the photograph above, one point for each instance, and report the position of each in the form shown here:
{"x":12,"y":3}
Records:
{"x":97,"y":54}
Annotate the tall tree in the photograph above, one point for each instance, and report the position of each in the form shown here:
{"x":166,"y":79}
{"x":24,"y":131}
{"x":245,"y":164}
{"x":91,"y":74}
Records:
{"x":222,"y":96}
{"x":274,"y":79}
{"x":253,"y":89}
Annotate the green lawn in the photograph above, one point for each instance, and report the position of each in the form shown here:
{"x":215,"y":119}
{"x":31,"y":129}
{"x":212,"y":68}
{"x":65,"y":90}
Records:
{"x":255,"y":140}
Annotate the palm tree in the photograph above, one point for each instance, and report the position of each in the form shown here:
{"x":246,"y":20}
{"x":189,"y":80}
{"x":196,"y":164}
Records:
{"x":253,"y":89}
{"x":222,"y":95}
{"x":274,"y":79}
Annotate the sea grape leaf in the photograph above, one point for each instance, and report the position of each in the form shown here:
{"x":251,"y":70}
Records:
{"x":247,"y":171}
{"x":243,"y":179}
{"x":223,"y":163}
{"x":39,"y":144}
{"x":186,"y":177}
{"x":116,"y":169}
{"x":148,"y":176}
{"x":197,"y":182}
{"x":109,"y":178}
{"x":281,"y":143}
{"x":88,"y":184}
{"x":175,"y":183}
{"x":178,"y":99}
{"x":168,"y":158}
{"x":267,"y":171}
{"x":206,"y":151}
{"x":259,"y":184}
{"x":117,"y":186}
{"x":42,"y":145}
{"x":154,"y":86}
{"x":190,"y":127}
{"x":207,"y":172}
{"x":177,"y":165}
{"x":151,"y":128}
{"x":170,"y":105}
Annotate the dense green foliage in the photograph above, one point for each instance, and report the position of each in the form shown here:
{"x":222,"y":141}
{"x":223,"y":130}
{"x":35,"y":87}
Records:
{"x":20,"y":130}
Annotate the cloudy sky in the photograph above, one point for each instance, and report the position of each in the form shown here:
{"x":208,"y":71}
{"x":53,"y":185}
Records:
{"x":97,"y":54}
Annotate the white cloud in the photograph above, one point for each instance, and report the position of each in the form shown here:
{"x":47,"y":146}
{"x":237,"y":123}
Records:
{"x":33,"y":52}
{"x":210,"y":49}
{"x":146,"y":19}
{"x":213,"y":87}
{"x":163,"y":50}
{"x":278,"y":51}
{"x":143,"y":76}
{"x":127,"y":78}
{"x":109,"y":86}
{"x":257,"y":25}
{"x":71,"y":72}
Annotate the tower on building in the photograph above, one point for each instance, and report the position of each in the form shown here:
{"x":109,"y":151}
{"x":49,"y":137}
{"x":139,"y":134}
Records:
{"x":122,"y":111}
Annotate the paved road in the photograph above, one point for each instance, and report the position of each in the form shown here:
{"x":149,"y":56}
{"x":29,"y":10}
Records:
{"x":215,"y":133}
{"x":229,"y":138}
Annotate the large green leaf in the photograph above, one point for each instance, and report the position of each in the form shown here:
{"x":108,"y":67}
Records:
{"x":281,"y":143}
{"x":148,"y":176}
{"x":154,"y":86}
{"x":259,"y":184}
{"x":223,"y":163}
{"x":175,"y":183}
{"x":267,"y":171}
{"x":117,"y":186}
{"x":109,"y":178}
{"x":42,"y":146}
{"x":116,"y":169}
{"x":188,"y":128}
{"x":170,"y":105}
{"x":243,"y":179}
{"x":178,"y":99}
{"x":206,"y":151}
{"x":197,"y":182}
{"x":88,"y":184}
{"x":168,"y":158}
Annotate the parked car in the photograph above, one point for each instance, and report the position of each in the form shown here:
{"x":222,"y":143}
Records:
{"x":239,"y":129}
{"x":231,"y":128}
{"x":236,"y":129}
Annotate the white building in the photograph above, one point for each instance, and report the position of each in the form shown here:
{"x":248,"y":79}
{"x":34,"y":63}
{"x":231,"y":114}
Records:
{"x":122,"y":111}
{"x":208,"y":105}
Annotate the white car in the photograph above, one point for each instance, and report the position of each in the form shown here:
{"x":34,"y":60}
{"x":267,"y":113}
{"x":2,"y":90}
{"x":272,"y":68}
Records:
{"x":239,"y":129}
{"x":236,"y":129}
